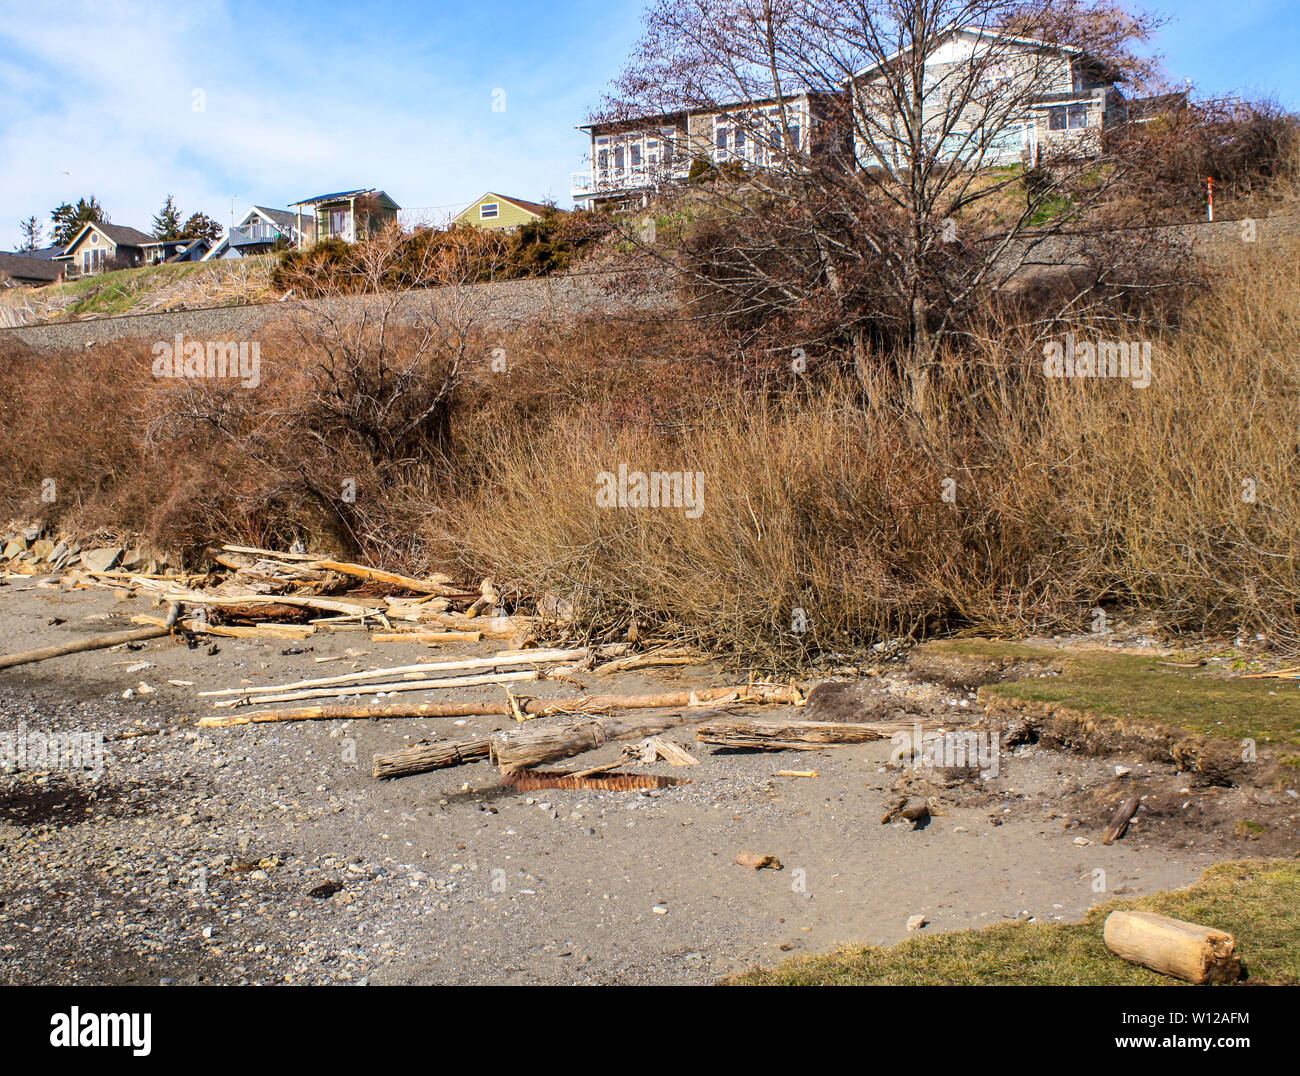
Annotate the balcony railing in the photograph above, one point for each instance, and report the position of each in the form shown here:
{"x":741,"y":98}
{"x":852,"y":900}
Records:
{"x":252,"y":234}
{"x":630,"y":179}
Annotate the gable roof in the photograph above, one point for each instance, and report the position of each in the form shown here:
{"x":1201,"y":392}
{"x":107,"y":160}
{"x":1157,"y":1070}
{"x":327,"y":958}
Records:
{"x":21,"y":267}
{"x":120,"y":234}
{"x":954,"y":31}
{"x":536,"y":208}
{"x":281,"y":217}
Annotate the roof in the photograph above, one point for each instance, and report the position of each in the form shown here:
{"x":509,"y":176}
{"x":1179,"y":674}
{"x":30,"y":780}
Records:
{"x":636,"y":122}
{"x":978,"y":31}
{"x":121,"y":234}
{"x":536,"y":208}
{"x":43,"y":253}
{"x":340,"y":196}
{"x":23,"y":267}
{"x":1147,"y":108}
{"x":281,"y":217}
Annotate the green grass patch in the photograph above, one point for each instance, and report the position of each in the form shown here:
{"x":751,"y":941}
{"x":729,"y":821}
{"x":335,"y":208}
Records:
{"x":117,"y":292}
{"x":1258,"y":901}
{"x":1202,"y":700}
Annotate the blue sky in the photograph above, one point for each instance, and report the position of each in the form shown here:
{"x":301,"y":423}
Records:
{"x":298,"y":99}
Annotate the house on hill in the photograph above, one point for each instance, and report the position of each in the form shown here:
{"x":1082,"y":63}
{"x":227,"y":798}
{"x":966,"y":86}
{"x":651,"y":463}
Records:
{"x":345,"y":215}
{"x":258,"y":231}
{"x":29,"y":268}
{"x":499,"y":211}
{"x":100,"y":247}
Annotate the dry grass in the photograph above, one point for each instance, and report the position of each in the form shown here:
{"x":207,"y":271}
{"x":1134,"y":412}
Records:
{"x":1064,"y":496}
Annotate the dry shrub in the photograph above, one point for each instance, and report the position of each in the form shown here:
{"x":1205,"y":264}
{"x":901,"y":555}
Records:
{"x":1068,"y":495}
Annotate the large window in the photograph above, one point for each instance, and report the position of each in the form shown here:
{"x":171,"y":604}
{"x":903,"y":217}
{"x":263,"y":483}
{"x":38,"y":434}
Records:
{"x":339,"y":222}
{"x":489,"y":210}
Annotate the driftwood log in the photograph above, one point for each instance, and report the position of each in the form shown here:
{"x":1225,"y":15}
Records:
{"x":796,"y":735}
{"x":532,"y":707}
{"x":1119,"y":823}
{"x":95,"y":642}
{"x":530,"y":745}
{"x":422,"y":757}
{"x":441,"y":683}
{"x":1184,"y":950}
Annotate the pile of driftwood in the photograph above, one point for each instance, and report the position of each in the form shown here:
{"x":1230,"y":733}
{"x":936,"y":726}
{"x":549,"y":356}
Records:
{"x":259,"y":593}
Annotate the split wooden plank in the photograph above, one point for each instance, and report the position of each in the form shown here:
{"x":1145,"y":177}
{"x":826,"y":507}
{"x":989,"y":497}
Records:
{"x":444,"y":683}
{"x":798,"y":735}
{"x":1174,"y":947}
{"x":743,"y":695}
{"x":94,"y":642}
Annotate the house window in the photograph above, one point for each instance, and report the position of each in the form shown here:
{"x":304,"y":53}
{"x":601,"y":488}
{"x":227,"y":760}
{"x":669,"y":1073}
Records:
{"x":636,"y":154}
{"x":338,"y":222}
{"x":1067,"y":116}
{"x":619,"y":158}
{"x":489,"y":210}
{"x":602,"y":160}
{"x":722,"y":142}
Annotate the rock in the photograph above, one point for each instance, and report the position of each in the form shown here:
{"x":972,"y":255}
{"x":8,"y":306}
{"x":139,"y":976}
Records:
{"x":133,"y":560}
{"x":13,"y":548}
{"x":755,"y":861}
{"x":103,"y":559}
{"x":42,"y":548}
{"x":660,"y":909}
{"x":916,"y":922}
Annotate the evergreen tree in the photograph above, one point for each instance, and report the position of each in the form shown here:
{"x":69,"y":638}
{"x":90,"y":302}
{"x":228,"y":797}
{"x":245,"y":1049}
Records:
{"x":69,"y":219}
{"x":167,"y":224}
{"x":31,"y":233}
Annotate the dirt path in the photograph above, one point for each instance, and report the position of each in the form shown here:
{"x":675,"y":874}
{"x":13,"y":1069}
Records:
{"x":195,"y":855}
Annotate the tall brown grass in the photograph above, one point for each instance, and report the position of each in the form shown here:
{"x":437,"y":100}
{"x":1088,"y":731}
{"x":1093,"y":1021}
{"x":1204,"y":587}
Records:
{"x":1010,"y":502}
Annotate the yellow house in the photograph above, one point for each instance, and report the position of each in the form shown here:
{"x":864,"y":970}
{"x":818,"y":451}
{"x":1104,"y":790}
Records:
{"x":498,"y":211}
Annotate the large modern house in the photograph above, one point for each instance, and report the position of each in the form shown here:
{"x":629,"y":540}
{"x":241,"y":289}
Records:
{"x":1069,"y":98}
{"x":345,"y":215}
{"x":633,"y":159}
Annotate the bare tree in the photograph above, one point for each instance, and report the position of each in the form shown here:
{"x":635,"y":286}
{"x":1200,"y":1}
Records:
{"x":878,"y":168}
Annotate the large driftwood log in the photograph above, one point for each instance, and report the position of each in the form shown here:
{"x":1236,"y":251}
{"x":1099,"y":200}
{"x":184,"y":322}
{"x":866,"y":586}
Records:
{"x":1173,"y":947}
{"x":94,"y":642}
{"x":422,"y":757}
{"x":534,"y":707}
{"x":798,"y":735}
{"x":532,"y":744}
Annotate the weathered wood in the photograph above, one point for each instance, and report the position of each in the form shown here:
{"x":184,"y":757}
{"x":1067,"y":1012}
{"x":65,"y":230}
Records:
{"x":426,"y":637}
{"x":1174,"y":947}
{"x":422,"y":757}
{"x":538,"y":707}
{"x":535,"y":743}
{"x":443,"y":683}
{"x":530,"y":657}
{"x":795,"y":735}
{"x":94,"y":642}
{"x":1119,"y":823}
{"x":291,"y":632}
